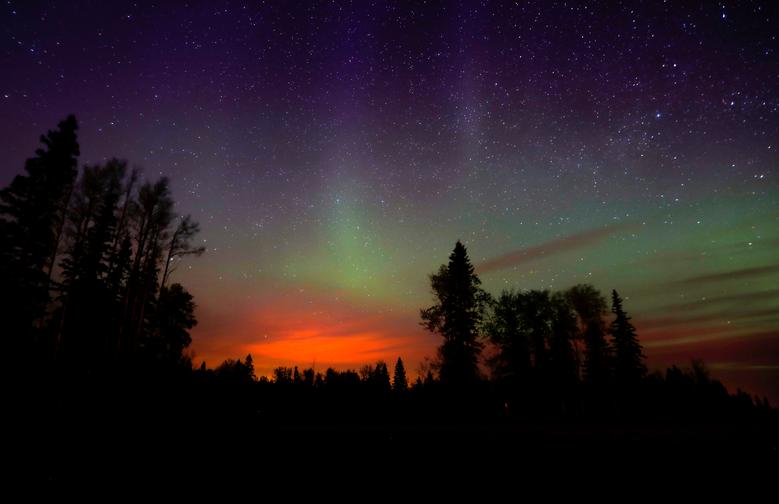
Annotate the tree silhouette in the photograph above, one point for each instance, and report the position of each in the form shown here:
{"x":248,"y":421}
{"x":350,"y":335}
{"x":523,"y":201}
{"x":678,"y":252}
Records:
{"x":563,"y":371}
{"x":32,"y":211}
{"x":366,"y":373}
{"x":151,"y":215}
{"x":376,"y":377}
{"x":629,"y":368}
{"x":119,"y":268}
{"x":399,"y":380}
{"x":89,"y":308}
{"x":282,"y":375}
{"x":116,"y":242}
{"x":249,"y":363}
{"x":590,"y":306}
{"x":533,"y":333}
{"x":108,"y":239}
{"x":297,"y":379}
{"x":308,"y":377}
{"x":235,"y":373}
{"x":173,"y":317}
{"x":457,"y":317}
{"x":180,"y":245}
{"x":511,"y":364}
{"x":535,"y":319}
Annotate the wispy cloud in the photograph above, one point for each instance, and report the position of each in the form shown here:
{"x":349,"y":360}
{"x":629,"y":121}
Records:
{"x":757,"y":347}
{"x":566,"y":244}
{"x":684,"y":336}
{"x":731,"y":275}
{"x":722,"y":316}
{"x":740,"y":300}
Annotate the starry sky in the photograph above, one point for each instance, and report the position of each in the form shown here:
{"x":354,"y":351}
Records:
{"x":333,"y":152}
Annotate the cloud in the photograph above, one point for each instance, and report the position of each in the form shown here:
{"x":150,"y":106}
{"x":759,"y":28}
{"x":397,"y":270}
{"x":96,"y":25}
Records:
{"x":723,"y":316}
{"x":750,"y":348}
{"x":731,"y":275}
{"x":552,"y":247}
{"x":742,"y":299}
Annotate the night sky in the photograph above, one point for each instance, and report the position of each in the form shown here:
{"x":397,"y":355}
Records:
{"x":333,"y":153}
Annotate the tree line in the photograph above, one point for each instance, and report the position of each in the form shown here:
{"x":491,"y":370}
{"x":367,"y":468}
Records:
{"x":522,"y":355}
{"x":85,"y":266}
{"x":87,"y":258}
{"x":557,"y":353}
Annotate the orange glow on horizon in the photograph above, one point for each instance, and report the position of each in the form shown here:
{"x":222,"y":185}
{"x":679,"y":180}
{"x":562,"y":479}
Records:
{"x":307,"y":328}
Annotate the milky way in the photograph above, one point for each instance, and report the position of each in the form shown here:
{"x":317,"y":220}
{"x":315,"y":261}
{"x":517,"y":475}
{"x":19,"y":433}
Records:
{"x":333,"y":152}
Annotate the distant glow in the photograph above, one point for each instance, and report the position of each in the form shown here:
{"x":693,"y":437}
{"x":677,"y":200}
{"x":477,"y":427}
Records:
{"x":333,"y":153}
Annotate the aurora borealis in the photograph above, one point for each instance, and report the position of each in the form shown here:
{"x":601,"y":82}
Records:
{"x":333,"y":152}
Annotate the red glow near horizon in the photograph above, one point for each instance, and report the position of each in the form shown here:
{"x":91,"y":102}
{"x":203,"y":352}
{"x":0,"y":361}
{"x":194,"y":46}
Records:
{"x":313,"y":331}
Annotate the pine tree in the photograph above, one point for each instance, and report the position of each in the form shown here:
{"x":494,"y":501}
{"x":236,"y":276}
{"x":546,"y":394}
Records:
{"x":32,"y":210}
{"x":629,"y":368}
{"x":399,"y":380}
{"x":249,"y":363}
{"x":457,"y":317}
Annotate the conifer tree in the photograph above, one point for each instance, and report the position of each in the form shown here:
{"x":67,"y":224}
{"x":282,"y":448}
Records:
{"x":629,"y":366}
{"x":399,"y":380}
{"x":32,"y":210}
{"x":457,"y":316}
{"x":249,"y":363}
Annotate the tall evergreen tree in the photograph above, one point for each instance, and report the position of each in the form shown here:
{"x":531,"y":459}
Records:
{"x":249,"y":363}
{"x":399,"y":380}
{"x":457,"y":317}
{"x":32,"y":210}
{"x":629,"y":366}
